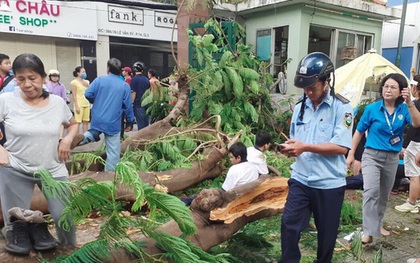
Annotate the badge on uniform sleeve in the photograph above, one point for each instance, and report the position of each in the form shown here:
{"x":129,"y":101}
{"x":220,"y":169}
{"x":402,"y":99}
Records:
{"x":348,"y":119}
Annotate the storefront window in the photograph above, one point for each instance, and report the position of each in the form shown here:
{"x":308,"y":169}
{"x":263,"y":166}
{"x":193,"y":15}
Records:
{"x":350,"y":45}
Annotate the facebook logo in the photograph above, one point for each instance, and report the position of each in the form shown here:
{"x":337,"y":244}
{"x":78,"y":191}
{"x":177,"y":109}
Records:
{"x":12,"y":28}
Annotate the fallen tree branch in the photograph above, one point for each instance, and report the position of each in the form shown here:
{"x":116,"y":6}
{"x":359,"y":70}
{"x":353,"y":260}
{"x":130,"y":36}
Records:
{"x":247,"y":203}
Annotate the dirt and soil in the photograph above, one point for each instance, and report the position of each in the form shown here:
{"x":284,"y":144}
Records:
{"x":403,"y":242}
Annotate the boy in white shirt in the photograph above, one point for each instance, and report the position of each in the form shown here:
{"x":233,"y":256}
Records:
{"x":256,"y":153}
{"x":241,"y":171}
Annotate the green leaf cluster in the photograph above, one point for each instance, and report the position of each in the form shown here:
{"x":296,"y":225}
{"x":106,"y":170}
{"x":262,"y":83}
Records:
{"x":183,"y":251}
{"x":85,"y":195}
{"x":229,"y":82}
{"x":157,"y":101}
{"x":168,"y":152}
{"x":282,"y":164}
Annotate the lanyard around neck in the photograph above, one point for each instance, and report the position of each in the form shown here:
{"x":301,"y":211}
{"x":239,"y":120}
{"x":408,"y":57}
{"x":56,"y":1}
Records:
{"x":389,"y":123}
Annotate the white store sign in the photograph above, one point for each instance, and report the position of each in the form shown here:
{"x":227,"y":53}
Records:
{"x":74,"y":20}
{"x":135,"y":22}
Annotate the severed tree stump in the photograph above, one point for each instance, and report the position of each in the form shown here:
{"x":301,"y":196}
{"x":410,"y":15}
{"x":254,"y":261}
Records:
{"x":259,"y":199}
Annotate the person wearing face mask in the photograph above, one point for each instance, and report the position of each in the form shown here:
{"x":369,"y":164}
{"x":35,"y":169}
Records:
{"x":80,"y":103}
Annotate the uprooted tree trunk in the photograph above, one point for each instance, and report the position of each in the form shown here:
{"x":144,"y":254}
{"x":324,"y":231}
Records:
{"x":217,"y":214}
{"x":246,"y":202}
{"x":171,"y":180}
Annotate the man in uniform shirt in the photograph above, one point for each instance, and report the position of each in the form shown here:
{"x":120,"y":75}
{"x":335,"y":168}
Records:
{"x":320,"y":133}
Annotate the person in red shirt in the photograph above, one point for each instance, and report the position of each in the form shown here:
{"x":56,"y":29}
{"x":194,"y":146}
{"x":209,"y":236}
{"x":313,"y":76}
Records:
{"x":126,"y":72}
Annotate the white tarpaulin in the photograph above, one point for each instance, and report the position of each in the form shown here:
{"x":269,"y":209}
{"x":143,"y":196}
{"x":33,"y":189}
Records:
{"x":350,"y":79}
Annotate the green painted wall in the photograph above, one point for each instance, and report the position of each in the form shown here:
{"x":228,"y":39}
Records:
{"x":299,"y":18}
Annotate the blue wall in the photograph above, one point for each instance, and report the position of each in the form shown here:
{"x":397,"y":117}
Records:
{"x":406,"y":58}
{"x":400,"y":2}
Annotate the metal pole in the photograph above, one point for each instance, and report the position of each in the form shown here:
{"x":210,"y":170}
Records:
{"x":401,"y":34}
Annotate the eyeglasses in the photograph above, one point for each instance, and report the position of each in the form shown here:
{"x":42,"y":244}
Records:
{"x":393,"y":88}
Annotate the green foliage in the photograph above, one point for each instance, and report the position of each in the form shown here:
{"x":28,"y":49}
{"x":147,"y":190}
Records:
{"x":361,"y":109}
{"x":285,"y":115}
{"x":83,"y":196}
{"x":351,"y":214}
{"x":357,"y":246}
{"x":256,"y":242}
{"x":378,"y":256}
{"x":157,"y":100}
{"x":182,"y":251}
{"x":126,"y":173}
{"x":94,"y":252}
{"x":87,"y":159}
{"x":282,"y":164}
{"x":231,"y":87}
{"x":174,"y":207}
{"x":164,"y":153}
{"x":248,"y":248}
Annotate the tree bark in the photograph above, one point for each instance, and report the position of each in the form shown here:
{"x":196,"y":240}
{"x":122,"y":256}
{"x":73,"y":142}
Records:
{"x":171,"y":180}
{"x":138,"y":139}
{"x":217,"y":214}
{"x":236,"y":208}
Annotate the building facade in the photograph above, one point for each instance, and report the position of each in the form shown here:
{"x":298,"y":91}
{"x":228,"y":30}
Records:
{"x":410,"y":56}
{"x":283,"y":31}
{"x":68,"y":34}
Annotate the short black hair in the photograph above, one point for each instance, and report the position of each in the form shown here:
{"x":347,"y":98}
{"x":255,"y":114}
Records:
{"x":262,"y":138}
{"x":114,"y":66}
{"x":238,"y":149}
{"x":3,"y":57}
{"x":31,"y":62}
{"x":402,"y":83}
{"x":152,"y":72}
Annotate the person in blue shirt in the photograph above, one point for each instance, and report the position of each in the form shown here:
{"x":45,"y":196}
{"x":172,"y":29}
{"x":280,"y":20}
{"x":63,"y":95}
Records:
{"x":139,"y":84}
{"x":384,"y":122}
{"x":110,"y":97}
{"x":320,"y":136}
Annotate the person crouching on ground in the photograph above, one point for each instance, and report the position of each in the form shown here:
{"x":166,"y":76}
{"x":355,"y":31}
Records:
{"x":256,"y":152}
{"x":241,"y":171}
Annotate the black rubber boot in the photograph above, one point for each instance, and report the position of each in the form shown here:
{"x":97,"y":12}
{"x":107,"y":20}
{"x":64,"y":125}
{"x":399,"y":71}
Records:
{"x":17,"y":237}
{"x":40,"y":236}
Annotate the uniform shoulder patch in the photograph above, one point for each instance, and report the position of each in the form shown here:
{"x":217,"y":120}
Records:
{"x":348,"y":119}
{"x":341,"y":98}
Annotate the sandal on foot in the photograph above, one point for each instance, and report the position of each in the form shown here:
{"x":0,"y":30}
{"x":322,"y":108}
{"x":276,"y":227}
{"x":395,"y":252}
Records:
{"x":385,"y":232}
{"x":367,"y":240}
